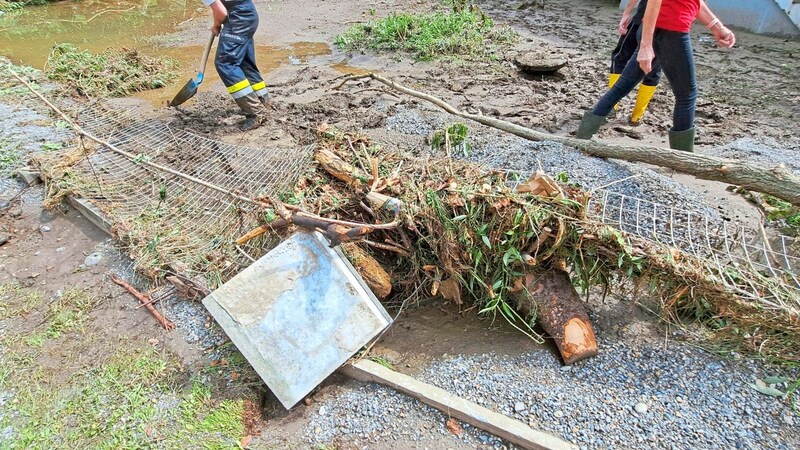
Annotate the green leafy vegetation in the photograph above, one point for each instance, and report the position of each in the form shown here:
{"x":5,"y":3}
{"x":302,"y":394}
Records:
{"x":130,"y":396}
{"x":464,"y":31}
{"x":113,"y":73}
{"x":9,"y":158}
{"x":779,"y":210}
{"x":454,"y":136}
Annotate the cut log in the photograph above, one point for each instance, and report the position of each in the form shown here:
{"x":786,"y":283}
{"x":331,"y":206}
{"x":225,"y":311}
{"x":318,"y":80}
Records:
{"x":340,"y":168}
{"x":370,"y":270}
{"x":560,"y":312}
{"x":777,"y":181}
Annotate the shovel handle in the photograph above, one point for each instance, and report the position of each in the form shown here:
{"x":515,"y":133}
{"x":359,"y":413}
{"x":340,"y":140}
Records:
{"x":202,"y":69}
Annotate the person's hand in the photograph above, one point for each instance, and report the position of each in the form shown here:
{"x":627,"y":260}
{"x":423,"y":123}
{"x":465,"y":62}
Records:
{"x":219,"y":13}
{"x":724,"y":37}
{"x":623,"y":24}
{"x":646,"y":57}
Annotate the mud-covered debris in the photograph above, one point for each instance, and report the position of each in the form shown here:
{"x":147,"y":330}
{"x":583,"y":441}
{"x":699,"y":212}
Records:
{"x":539,"y":63}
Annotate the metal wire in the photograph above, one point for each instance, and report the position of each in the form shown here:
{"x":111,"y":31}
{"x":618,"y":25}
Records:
{"x":745,"y":261}
{"x":175,"y":223}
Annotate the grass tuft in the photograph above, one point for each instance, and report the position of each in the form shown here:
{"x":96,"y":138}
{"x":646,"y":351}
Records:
{"x":113,"y":73}
{"x":466,"y":32}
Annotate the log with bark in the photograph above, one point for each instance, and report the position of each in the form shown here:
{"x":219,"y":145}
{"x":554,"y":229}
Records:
{"x":559,"y":311}
{"x":370,"y":270}
{"x":777,"y":181}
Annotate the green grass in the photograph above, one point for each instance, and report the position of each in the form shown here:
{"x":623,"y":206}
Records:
{"x":127,"y":396}
{"x":113,"y":73}
{"x":14,"y":301}
{"x":9,"y":158}
{"x":464,"y":33}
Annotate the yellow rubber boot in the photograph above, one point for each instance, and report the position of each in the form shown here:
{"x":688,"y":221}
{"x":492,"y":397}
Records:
{"x":642,"y":100}
{"x":612,"y":80}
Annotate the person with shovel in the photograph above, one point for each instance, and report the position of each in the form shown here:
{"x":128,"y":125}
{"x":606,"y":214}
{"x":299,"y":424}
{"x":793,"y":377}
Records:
{"x":235,"y":22}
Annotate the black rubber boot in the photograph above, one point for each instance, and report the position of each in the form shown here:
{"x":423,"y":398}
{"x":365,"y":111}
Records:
{"x":254,"y":111}
{"x":589,"y":125}
{"x":682,"y":140}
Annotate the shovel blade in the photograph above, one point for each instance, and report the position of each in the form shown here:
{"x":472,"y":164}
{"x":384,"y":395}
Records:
{"x":187,"y":92}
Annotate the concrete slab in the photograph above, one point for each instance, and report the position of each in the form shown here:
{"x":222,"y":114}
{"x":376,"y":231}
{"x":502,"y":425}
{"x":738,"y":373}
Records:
{"x":297,"y":314}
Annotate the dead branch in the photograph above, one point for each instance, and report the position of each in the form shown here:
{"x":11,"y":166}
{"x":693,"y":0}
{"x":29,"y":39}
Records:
{"x":777,"y":181}
{"x":169,"y":326}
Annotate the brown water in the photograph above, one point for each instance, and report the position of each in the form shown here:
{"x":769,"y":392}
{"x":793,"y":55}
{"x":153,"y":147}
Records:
{"x":27,"y":35}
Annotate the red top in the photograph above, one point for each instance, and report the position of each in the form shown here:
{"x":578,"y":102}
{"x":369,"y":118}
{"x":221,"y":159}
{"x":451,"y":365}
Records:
{"x":677,"y":15}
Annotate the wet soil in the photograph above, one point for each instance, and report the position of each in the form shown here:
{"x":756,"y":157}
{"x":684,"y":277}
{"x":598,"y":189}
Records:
{"x":751,"y":91}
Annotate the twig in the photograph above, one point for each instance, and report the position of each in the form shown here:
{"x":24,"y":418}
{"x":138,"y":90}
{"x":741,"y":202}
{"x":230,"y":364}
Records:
{"x":387,"y":247}
{"x":169,"y":326}
{"x":191,"y":178}
{"x":244,"y":253}
{"x":615,"y":182}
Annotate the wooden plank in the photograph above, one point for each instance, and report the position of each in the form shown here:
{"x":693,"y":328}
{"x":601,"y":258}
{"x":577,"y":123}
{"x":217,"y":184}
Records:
{"x":29,"y":176}
{"x":91,"y":212}
{"x":501,"y":426}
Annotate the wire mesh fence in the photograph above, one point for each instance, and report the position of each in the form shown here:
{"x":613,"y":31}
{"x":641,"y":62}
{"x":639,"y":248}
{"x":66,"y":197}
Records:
{"x":168,"y":222}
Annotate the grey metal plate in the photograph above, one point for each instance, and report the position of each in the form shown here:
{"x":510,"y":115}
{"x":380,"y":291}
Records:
{"x":297,"y":314}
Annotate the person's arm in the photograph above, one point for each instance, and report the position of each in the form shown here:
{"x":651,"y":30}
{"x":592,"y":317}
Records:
{"x":218,"y":12}
{"x":724,"y":37}
{"x":646,"y":53}
{"x":626,"y":17}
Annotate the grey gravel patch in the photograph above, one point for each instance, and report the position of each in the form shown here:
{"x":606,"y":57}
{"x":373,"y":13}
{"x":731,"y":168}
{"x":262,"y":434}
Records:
{"x":763,"y":152}
{"x":194,"y":321}
{"x":642,"y":396}
{"x":416,"y":121}
{"x":524,"y":157}
{"x":693,"y":400}
{"x":371,"y":414}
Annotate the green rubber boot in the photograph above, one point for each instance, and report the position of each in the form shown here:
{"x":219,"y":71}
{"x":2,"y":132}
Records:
{"x":682,"y":140}
{"x":589,"y":125}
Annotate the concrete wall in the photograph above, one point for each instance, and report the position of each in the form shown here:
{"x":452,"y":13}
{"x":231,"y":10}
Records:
{"x":760,"y":16}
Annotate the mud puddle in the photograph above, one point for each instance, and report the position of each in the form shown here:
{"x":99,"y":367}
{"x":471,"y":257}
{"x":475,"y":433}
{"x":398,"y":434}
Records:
{"x":28,"y":34}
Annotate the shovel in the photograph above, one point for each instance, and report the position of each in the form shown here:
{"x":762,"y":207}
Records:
{"x":190,"y":88}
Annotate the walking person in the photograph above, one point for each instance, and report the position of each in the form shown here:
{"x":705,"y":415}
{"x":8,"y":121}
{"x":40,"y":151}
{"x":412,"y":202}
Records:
{"x":235,"y":22}
{"x":665,"y":36}
{"x":629,"y":26}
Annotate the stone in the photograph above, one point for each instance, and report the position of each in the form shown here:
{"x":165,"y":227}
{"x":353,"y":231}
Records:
{"x":93,"y":259}
{"x":4,"y":204}
{"x":45,"y":228}
{"x":640,"y":408}
{"x":539,"y":63}
{"x":519,"y":407}
{"x":558,"y":414}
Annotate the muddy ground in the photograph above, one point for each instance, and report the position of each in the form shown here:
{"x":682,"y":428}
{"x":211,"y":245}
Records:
{"x":749,"y":104}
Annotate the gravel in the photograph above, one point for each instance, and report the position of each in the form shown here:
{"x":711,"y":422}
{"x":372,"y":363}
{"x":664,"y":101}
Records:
{"x":762,"y":151}
{"x":630,"y":396}
{"x":514,"y":154}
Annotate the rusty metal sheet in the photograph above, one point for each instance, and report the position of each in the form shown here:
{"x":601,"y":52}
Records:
{"x":297,"y":314}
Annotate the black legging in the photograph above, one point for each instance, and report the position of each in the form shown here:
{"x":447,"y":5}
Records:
{"x":673,"y":51}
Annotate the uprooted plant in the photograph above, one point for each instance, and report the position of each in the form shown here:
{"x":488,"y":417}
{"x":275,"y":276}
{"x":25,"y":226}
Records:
{"x":464,"y":31}
{"x":471,"y":238}
{"x":113,"y":73}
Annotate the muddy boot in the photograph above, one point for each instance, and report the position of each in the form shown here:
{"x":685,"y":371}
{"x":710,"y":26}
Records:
{"x":589,"y":125}
{"x":682,"y":140}
{"x":254,"y":112}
